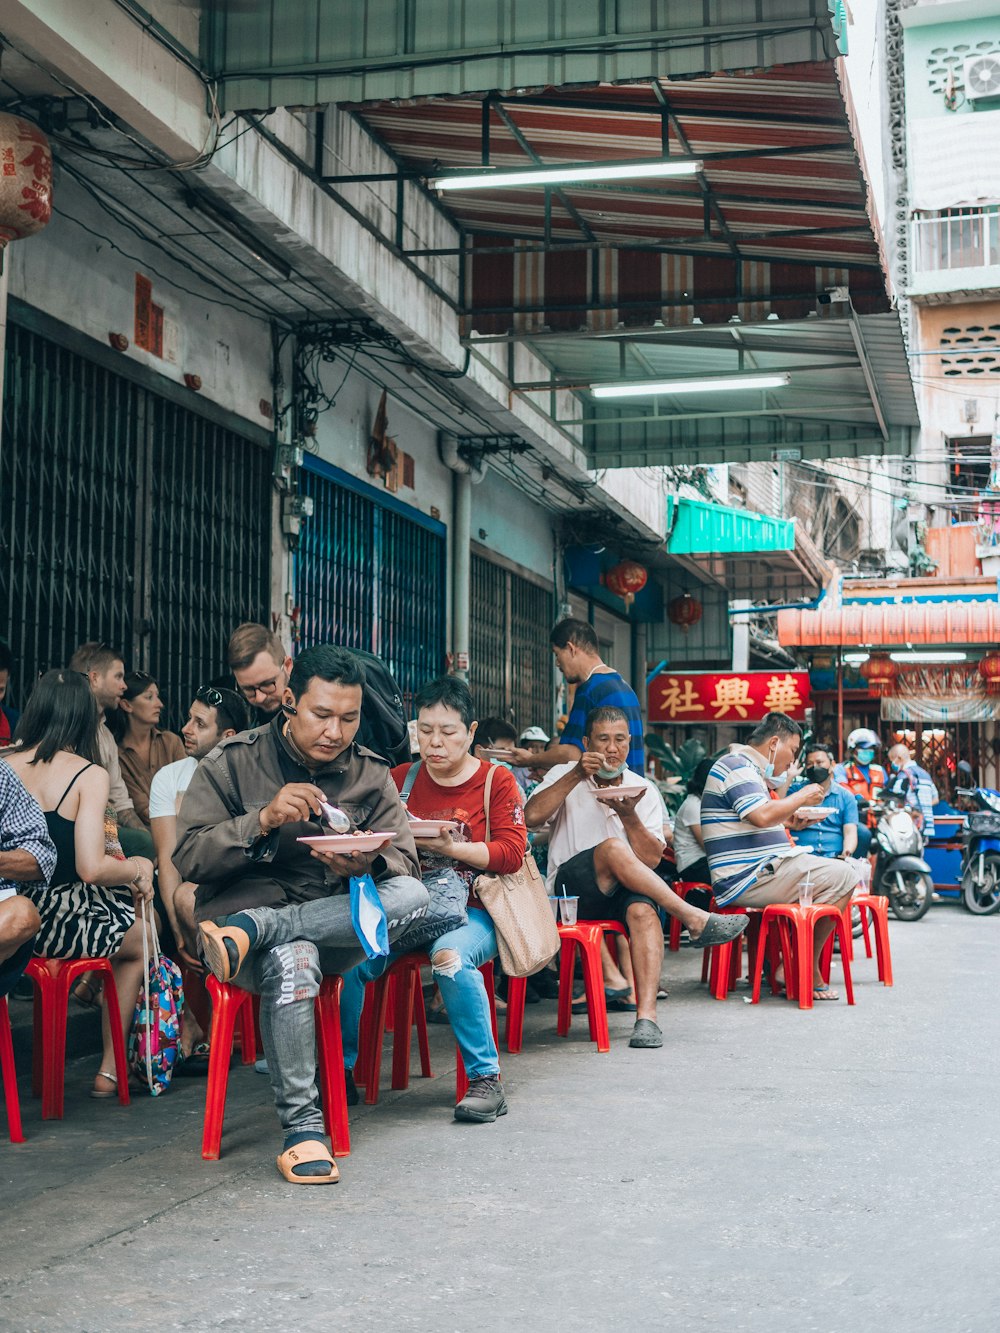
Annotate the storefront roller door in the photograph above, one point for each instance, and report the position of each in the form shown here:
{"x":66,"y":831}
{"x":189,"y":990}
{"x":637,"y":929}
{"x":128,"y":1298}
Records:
{"x":124,"y":517}
{"x":510,"y":666}
{"x":370,"y":573}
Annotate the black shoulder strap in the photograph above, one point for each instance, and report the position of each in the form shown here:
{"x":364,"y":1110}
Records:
{"x":79,"y":773}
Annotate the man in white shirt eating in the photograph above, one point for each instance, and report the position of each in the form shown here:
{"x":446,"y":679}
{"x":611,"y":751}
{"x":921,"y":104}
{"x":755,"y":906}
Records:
{"x":603,"y":850}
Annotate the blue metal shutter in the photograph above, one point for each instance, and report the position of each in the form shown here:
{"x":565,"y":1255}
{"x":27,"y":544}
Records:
{"x":370,"y":573}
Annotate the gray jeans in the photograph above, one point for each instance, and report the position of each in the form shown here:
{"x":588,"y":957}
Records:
{"x":298,"y":945}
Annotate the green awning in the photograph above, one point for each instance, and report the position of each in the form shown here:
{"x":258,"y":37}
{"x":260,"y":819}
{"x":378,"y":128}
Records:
{"x":696,"y":527}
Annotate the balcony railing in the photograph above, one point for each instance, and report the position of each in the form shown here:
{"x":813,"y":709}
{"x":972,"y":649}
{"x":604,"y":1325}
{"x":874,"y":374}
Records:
{"x":957,"y":238}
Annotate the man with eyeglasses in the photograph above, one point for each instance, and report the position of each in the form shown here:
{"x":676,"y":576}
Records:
{"x":215,"y":714}
{"x":260,"y":667}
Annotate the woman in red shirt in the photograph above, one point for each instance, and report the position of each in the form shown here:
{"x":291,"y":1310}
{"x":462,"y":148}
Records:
{"x":450,"y":784}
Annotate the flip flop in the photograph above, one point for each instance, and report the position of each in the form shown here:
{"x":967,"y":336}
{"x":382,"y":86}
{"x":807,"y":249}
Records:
{"x":301,"y":1154}
{"x":213,"y":946}
{"x":195,"y":1064}
{"x":100,"y":1096}
{"x":92,"y":999}
{"x":825,"y":993}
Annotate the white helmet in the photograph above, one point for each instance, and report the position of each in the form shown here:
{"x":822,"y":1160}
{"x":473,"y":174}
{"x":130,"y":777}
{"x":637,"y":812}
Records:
{"x":864,"y":738}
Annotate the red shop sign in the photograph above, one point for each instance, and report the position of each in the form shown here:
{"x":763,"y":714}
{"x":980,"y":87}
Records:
{"x":708,"y":696}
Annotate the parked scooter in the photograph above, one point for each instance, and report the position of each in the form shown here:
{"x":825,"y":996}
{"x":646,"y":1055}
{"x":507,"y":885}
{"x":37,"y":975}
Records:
{"x":901,"y":874}
{"x":981,"y":852}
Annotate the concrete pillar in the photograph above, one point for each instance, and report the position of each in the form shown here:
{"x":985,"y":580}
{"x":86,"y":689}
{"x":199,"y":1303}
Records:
{"x":741,"y":635}
{"x":461,"y":572}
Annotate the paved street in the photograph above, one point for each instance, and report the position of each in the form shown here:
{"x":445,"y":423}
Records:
{"x":768,"y":1169}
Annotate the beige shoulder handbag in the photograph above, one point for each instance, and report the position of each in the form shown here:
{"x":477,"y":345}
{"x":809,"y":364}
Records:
{"x":519,"y":905}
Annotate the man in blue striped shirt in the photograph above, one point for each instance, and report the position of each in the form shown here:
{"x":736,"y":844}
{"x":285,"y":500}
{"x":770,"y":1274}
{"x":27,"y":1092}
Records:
{"x":751,"y":857}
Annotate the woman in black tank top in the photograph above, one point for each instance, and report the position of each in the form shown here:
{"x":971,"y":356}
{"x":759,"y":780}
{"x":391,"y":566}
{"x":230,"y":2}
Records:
{"x":89,"y":908}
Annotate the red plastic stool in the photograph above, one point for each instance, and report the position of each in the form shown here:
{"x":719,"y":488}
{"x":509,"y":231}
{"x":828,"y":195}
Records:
{"x":53,"y":978}
{"x":722,"y":964}
{"x":9,"y":1076}
{"x":586,"y":936}
{"x":797,"y":948}
{"x":682,"y":889}
{"x":409,"y":1011}
{"x":517,"y":990}
{"x":400,"y":984}
{"x":230,"y":1006}
{"x":878,"y":907}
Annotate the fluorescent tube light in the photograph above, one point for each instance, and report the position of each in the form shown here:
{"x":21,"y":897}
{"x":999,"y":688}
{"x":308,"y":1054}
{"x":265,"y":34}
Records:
{"x":855,"y":659}
{"x":570,"y":174}
{"x":702,"y":384}
{"x":929,"y":657}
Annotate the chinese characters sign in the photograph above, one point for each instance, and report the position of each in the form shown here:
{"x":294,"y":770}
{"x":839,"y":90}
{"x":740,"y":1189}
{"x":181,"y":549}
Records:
{"x":714,"y":697}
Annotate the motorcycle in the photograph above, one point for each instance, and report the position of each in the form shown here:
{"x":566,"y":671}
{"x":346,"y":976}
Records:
{"x":981,"y":852}
{"x":901,"y":874}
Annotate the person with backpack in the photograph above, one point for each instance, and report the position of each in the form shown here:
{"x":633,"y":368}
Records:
{"x":276,"y":915}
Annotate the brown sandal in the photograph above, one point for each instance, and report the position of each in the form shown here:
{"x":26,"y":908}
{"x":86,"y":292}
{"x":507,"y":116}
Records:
{"x":213,"y":946}
{"x":312,"y":1150}
{"x":88,"y":992}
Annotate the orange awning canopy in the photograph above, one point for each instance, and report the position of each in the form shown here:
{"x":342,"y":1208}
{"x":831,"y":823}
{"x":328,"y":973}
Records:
{"x":936,"y":624}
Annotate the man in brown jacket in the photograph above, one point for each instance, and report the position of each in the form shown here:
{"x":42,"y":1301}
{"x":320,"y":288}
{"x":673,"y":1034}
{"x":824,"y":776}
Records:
{"x":275,"y":914}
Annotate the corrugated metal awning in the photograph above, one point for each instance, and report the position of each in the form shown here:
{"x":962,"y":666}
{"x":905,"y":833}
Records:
{"x":940,"y":625}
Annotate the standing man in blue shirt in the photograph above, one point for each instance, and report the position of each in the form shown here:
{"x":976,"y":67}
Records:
{"x":578,"y":656}
{"x":837,"y":835}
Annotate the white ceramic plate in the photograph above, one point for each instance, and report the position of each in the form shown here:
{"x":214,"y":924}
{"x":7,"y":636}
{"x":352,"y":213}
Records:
{"x":606,"y":794}
{"x":347,"y":842}
{"x":431,"y":828}
{"x":815,"y":811}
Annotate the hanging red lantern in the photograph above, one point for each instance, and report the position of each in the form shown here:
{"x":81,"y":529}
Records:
{"x":626,"y":579}
{"x":25,"y":179}
{"x":684,"y":611}
{"x":880,"y":671}
{"x":989,"y":669}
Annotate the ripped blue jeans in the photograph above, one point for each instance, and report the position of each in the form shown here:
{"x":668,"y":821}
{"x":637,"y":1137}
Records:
{"x":462,"y":989}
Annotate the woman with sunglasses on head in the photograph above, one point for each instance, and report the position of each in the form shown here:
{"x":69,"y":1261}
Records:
{"x":89,"y":908}
{"x":142,"y":748}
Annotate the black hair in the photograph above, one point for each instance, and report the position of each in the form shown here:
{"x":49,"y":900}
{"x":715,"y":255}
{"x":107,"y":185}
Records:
{"x":330,"y":663}
{"x":493,"y":729}
{"x":61,"y":714}
{"x":230,"y":709}
{"x":813,"y":746}
{"x":577,"y":632}
{"x":774,"y":724}
{"x":6,"y":657}
{"x":606,"y":714}
{"x":450,"y":692}
{"x":697,"y":780}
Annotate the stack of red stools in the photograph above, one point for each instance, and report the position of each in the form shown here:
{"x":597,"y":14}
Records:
{"x":795,"y":926}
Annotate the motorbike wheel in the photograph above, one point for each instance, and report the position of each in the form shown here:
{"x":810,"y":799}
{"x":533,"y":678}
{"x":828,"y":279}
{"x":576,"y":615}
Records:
{"x":914,"y":900}
{"x":982,"y":897}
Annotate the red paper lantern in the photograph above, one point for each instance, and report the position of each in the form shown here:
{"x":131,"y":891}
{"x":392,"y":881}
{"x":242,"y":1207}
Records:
{"x":626,"y":579}
{"x":989,"y":669}
{"x":25,"y":179}
{"x":684,"y":611}
{"x":880,"y":671}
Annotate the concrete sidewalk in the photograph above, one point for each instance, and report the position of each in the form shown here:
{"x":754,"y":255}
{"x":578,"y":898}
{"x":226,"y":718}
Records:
{"x":767,"y":1169}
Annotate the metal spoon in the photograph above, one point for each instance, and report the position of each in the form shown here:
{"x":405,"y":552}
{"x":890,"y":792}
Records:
{"x":338,"y":821}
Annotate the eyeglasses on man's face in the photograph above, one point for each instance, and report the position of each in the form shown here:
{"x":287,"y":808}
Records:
{"x":266,"y":687}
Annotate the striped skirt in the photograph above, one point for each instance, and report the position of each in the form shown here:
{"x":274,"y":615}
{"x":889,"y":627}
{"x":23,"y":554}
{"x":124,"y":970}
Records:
{"x":80,"y":920}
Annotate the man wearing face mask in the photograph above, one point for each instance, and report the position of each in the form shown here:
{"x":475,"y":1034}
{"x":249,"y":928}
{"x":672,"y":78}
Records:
{"x":837,"y":835}
{"x":752,"y":859}
{"x":604,"y":854}
{"x":862,"y":776}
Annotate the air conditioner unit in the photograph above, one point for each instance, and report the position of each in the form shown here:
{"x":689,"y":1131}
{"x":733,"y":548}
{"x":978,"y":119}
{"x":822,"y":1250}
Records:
{"x":982,"y":76}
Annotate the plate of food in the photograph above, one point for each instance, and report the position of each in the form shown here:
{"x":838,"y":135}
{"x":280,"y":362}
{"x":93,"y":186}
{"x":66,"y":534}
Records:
{"x":625,"y":792}
{"x":431,"y":828}
{"x":341,"y":843}
{"x":815,"y":811}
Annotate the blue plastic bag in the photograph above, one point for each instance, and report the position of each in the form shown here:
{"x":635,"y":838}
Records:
{"x":368,"y":917}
